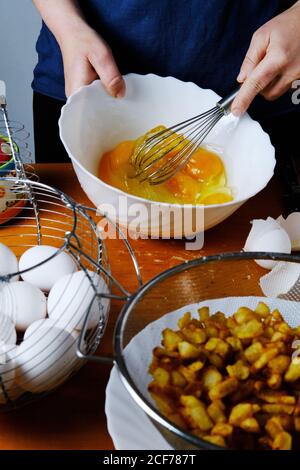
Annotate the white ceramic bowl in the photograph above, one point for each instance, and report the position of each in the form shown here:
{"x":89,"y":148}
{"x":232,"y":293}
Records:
{"x":92,"y":123}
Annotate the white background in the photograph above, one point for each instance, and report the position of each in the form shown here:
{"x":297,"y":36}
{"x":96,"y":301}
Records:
{"x":19,"y":28}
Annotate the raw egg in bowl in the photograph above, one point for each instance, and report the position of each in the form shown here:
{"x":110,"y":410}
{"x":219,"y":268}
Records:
{"x":93,"y":125}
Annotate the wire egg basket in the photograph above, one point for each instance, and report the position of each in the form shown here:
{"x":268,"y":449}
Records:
{"x":39,"y":355}
{"x":49,"y":218}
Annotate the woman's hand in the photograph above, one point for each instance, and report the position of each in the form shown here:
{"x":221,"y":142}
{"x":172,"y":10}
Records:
{"x":86,"y":55}
{"x":272,"y":62}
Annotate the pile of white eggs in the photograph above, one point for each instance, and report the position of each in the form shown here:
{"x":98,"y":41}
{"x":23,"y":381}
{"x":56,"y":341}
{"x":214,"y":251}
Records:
{"x":46,"y":307}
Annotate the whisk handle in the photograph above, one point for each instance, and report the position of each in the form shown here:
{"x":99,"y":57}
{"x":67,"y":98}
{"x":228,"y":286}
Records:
{"x":226,"y":102}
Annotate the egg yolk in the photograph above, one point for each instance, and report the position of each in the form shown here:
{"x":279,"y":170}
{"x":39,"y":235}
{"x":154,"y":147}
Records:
{"x":202,"y":181}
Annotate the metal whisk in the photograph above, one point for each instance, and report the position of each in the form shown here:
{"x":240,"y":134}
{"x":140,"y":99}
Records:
{"x":164,"y":153}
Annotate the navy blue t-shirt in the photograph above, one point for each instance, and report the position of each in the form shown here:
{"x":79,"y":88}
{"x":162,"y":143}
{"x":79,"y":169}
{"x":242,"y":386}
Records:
{"x":203,"y":41}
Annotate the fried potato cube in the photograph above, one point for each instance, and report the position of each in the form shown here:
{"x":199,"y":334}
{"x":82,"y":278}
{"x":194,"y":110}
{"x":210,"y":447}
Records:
{"x":217,"y":440}
{"x":263,"y":360}
{"x":212,"y":332}
{"x":250,"y":425}
{"x":216,"y":411}
{"x":270,"y":396}
{"x":239,"y":370}
{"x":185,"y":320}
{"x":274,"y":381}
{"x":218,"y":346}
{"x":195,"y":335}
{"x":187,"y":373}
{"x":253,"y":352}
{"x":161,"y":377}
{"x":162,"y":352}
{"x":269,"y":332}
{"x":164,"y":403}
{"x":178,"y":379}
{"x":280,"y":363}
{"x":249,"y":330}
{"x":277,"y":409}
{"x":211,"y":377}
{"x":196,"y":366}
{"x":297,"y":423}
{"x":241,"y":412}
{"x":171,"y":339}
{"x":276,"y":315}
{"x":223,"y":389}
{"x":203,"y":313}
{"x":262,"y":309}
{"x":278,"y":336}
{"x":222,"y":429}
{"x":196,"y":413}
{"x":293,"y":372}
{"x":231,"y":323}
{"x":235,"y":343}
{"x":283,"y":441}
{"x":216,"y":360}
{"x":188,"y":350}
{"x":273,"y":426}
{"x":244,"y":315}
{"x":218,"y":317}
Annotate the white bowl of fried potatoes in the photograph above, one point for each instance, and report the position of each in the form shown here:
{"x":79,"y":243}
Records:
{"x":221,"y":372}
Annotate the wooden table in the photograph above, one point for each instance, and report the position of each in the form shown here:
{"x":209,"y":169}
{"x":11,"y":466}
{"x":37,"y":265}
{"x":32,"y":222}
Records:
{"x":73,"y":417}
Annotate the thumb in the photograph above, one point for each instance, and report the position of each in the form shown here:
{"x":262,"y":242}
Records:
{"x":106,"y":68}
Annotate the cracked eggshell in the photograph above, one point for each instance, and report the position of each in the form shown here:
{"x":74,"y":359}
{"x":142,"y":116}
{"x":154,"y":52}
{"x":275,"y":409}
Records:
{"x":259,"y":228}
{"x":45,"y":276}
{"x":292,"y":226}
{"x":267,"y":236}
{"x":23,"y":303}
{"x":8,"y":262}
{"x":8,"y":374}
{"x":45,"y":359}
{"x":71,"y":297}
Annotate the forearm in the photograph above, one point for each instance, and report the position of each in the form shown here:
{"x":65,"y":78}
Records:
{"x":60,"y":16}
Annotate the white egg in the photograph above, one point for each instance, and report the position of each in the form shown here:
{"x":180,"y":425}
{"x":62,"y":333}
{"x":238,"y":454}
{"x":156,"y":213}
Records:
{"x":45,"y":359}
{"x":71,"y":296}
{"x":45,"y":323}
{"x":8,"y":262}
{"x":23,"y":303}
{"x":9,"y":390}
{"x":292,"y":226}
{"x":276,"y":241}
{"x":45,"y":275}
{"x":8,"y":332}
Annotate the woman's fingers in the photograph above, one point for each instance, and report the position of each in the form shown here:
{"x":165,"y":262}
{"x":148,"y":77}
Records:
{"x":87,"y":57}
{"x":254,"y":55}
{"x":106,"y":68}
{"x":262,"y":75}
{"x":77,"y":74}
{"x":277,"y":88}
